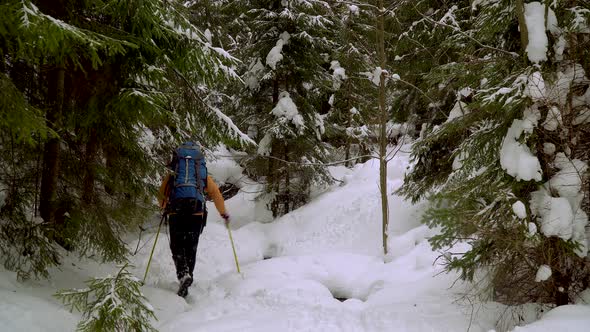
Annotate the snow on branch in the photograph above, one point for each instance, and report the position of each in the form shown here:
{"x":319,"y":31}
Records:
{"x":113,"y":303}
{"x":516,"y":158}
{"x":32,"y":17}
{"x":449,"y":17}
{"x":579,"y":22}
{"x":230,"y":124}
{"x":458,"y":30}
{"x":286,"y":110}
{"x":233,"y":129}
{"x":275,"y":55}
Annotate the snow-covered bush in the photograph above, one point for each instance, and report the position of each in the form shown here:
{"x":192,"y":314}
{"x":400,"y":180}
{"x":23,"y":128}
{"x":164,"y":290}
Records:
{"x":113,"y":303}
{"x":27,"y":250}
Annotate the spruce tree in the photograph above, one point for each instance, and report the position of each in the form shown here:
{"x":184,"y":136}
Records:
{"x":286,"y":47}
{"x":494,"y":167}
{"x":113,"y":303}
{"x":353,"y":95}
{"x":105,"y":87}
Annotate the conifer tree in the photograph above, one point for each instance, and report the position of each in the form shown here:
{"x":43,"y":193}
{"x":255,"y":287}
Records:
{"x":286,"y":47}
{"x":495,"y":168}
{"x":104,"y":87}
{"x":113,"y":303}
{"x":352,"y":97}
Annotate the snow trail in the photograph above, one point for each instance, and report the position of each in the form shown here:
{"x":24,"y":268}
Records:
{"x":320,"y":268}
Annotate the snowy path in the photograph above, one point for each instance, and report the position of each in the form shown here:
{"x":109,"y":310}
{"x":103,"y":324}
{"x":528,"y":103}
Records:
{"x":326,"y":250}
{"x":293,"y":270}
{"x":296,"y":293}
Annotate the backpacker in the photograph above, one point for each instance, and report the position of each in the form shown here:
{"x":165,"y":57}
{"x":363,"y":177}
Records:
{"x":190,"y":180}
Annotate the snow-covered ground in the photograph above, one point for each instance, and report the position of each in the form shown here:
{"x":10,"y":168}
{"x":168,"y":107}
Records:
{"x":319,"y":268}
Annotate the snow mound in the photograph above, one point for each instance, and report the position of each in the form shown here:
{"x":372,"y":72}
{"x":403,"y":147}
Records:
{"x":223,"y":167}
{"x":21,"y":312}
{"x":347,"y":218}
{"x":566,"y":318}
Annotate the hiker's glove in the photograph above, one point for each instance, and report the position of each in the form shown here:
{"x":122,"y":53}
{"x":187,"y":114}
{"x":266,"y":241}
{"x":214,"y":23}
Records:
{"x":225,"y":217}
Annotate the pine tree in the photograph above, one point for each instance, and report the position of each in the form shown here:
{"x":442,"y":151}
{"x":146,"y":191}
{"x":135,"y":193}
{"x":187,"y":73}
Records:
{"x":352,"y":97}
{"x":286,"y":47}
{"x":512,"y":104}
{"x":104,"y":88}
{"x":113,"y":303}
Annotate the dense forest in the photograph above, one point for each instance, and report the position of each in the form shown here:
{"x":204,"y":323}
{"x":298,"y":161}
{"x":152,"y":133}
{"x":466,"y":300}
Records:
{"x":493,"y":95}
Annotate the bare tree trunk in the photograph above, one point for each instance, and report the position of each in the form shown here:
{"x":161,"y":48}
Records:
{"x":287,"y":194}
{"x":275,"y":91}
{"x":382,"y":124}
{"x":208,"y":11}
{"x":51,"y":153}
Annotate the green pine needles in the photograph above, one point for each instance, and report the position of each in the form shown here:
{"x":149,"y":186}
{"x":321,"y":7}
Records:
{"x":113,"y":303}
{"x":484,"y":84}
{"x":91,"y":94}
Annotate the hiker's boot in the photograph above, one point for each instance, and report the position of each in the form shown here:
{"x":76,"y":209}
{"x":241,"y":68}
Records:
{"x":185,"y":283}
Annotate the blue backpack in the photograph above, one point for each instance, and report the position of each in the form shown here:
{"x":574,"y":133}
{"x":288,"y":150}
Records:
{"x":190,"y":180}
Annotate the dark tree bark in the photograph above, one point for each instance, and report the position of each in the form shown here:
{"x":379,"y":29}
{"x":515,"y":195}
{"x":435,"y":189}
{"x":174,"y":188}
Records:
{"x":51,"y":150}
{"x":89,"y":168}
{"x":286,"y":196}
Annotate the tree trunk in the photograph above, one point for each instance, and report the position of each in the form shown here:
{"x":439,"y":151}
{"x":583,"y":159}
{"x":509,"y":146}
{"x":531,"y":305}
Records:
{"x":524,"y":32}
{"x":275,"y":92}
{"x":287,"y":195}
{"x":382,"y":124}
{"x":51,"y":150}
{"x":273,"y":173}
{"x":110,"y":162}
{"x":89,"y":173}
{"x":208,"y":12}
{"x":349,"y":116}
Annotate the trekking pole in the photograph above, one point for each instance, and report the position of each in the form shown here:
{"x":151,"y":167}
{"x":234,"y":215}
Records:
{"x":231,"y":238}
{"x":153,"y":248}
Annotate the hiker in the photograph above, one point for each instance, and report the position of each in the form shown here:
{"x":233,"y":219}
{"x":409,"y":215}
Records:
{"x":182,"y":199}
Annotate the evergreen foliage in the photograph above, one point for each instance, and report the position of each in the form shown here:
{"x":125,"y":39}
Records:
{"x":92,"y":94}
{"x":353,"y":97}
{"x":285,"y":48}
{"x":113,"y":303}
{"x":489,"y":84}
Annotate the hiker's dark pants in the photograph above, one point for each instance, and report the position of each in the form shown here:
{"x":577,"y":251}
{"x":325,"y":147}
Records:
{"x":184,"y":239}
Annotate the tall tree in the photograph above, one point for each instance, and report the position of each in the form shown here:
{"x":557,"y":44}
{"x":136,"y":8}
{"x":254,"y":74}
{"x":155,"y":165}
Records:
{"x":287,"y":53}
{"x":101,"y":84}
{"x":514,"y":129}
{"x":383,"y":119}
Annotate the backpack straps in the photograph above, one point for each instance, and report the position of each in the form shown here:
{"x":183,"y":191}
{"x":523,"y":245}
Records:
{"x":198,"y":175}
